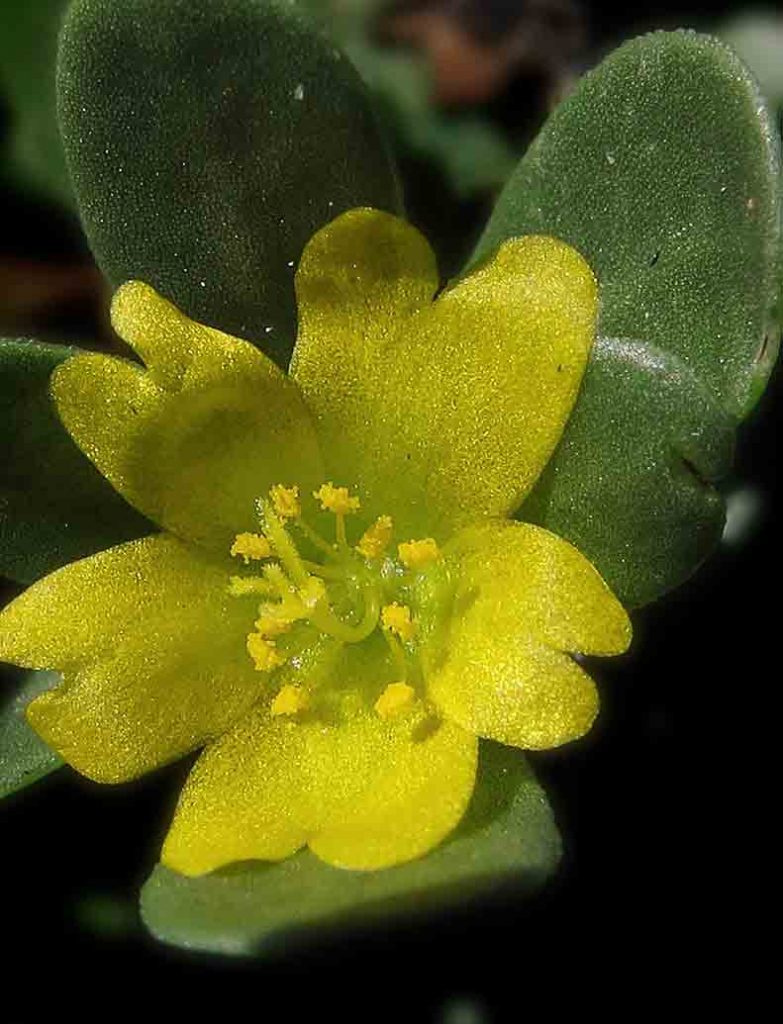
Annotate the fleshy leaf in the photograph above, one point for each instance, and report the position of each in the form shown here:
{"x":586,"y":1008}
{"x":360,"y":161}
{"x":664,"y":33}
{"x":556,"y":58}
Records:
{"x":662,"y":170}
{"x":24,"y":757}
{"x":632,"y":483}
{"x":28,"y":49}
{"x":207,"y":143}
{"x":507,"y":835}
{"x":55,"y":507}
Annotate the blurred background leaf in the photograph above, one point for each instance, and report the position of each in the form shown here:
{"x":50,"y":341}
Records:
{"x":28,"y":53}
{"x":757,"y":37}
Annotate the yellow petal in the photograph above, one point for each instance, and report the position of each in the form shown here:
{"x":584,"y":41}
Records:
{"x":192,"y":440}
{"x":363,"y":792}
{"x":128,"y":714}
{"x":525,"y":598}
{"x":439,"y":412}
{"x":520,"y":692}
{"x":151,"y":648}
{"x":524,"y":577}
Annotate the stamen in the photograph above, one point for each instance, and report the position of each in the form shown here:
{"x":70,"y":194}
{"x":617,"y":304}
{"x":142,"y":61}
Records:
{"x":376,"y":538}
{"x":396,"y":698}
{"x":290,"y":701}
{"x":263,"y":652}
{"x":300,"y":585}
{"x":282,"y":545}
{"x":285,"y":501}
{"x":251,"y":545}
{"x":418,"y":554}
{"x":397,"y":618}
{"x":337,"y":499}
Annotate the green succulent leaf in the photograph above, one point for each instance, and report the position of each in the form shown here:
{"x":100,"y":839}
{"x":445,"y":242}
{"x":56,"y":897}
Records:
{"x":28,"y":51}
{"x":662,"y":170}
{"x":24,"y":757}
{"x":55,"y":507}
{"x":645,"y":428}
{"x":207,"y":143}
{"x":508,"y":835}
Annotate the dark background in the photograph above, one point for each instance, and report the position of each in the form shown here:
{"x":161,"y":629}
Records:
{"x":665,"y":811}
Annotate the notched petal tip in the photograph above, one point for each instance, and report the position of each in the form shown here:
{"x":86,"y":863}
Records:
{"x":618,"y":634}
{"x":161,"y":334}
{"x":562,"y":280}
{"x":366,"y":245}
{"x":44,"y":716}
{"x":128,"y":297}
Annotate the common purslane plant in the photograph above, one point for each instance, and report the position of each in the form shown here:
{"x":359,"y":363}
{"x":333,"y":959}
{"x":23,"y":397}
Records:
{"x":338,"y":526}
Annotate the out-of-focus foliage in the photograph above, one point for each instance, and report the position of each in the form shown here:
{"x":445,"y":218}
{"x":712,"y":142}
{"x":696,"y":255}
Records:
{"x":473,"y":153}
{"x":757,"y":37}
{"x":34,"y":159}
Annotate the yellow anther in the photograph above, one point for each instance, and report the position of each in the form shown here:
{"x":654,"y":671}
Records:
{"x":397,"y":618}
{"x":290,"y":701}
{"x":263,"y":652}
{"x":312,"y":592}
{"x":376,"y":538}
{"x":336,"y":499}
{"x":272,"y":620}
{"x":396,"y":698}
{"x":241,"y":586}
{"x":417,"y":554}
{"x":251,"y":545}
{"x":285,"y":501}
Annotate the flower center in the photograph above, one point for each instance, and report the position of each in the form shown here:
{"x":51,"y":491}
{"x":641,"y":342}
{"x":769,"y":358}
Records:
{"x":314,"y":589}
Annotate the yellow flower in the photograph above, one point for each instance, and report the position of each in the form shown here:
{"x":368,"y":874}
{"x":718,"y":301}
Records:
{"x":338,"y":605}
